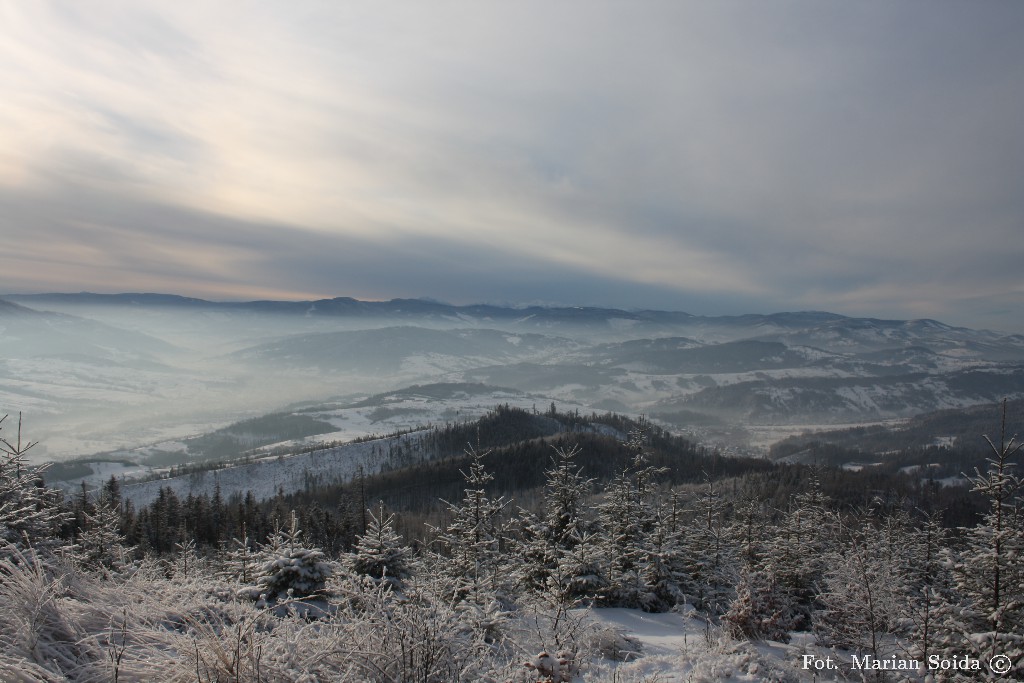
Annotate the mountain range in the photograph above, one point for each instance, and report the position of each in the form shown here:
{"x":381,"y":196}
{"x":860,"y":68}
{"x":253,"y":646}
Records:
{"x":97,"y":372}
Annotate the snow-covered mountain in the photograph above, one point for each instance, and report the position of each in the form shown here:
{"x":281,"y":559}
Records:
{"x":99,"y":372}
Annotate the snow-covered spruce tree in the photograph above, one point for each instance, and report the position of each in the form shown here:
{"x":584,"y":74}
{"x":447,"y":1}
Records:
{"x":665,"y":565}
{"x":620,"y":545}
{"x":536,"y":557}
{"x":708,"y":555}
{"x":469,"y":567}
{"x":750,"y":532}
{"x":989,"y":572}
{"x":380,"y":553}
{"x":288,"y":567}
{"x":239,"y":560}
{"x":546,"y":618}
{"x":796,"y":556}
{"x":30,"y":513}
{"x":761,"y":609}
{"x":470,"y":543}
{"x":546,"y":541}
{"x":101,"y":543}
{"x":564,"y":493}
{"x":929,"y":586}
{"x":863,"y":587}
{"x":627,"y":519}
{"x":582,"y":569}
{"x":557,"y":566}
{"x":186,"y":557}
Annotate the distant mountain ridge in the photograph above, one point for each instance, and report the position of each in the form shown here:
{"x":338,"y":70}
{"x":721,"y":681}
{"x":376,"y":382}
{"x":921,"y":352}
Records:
{"x":816,"y":329}
{"x":11,"y":308}
{"x":771,"y":322}
{"x":134,"y":356}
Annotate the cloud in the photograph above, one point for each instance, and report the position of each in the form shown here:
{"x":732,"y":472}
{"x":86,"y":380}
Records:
{"x":861,"y":158}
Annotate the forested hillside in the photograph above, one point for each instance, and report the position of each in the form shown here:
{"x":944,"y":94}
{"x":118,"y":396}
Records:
{"x":467,"y":566}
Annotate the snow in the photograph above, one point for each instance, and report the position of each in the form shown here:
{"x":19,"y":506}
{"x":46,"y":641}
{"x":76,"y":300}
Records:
{"x":917,"y":469}
{"x":675,"y":647}
{"x":859,"y":466}
{"x":860,"y":396}
{"x":660,"y":634}
{"x":267,"y":476}
{"x":404,"y":411}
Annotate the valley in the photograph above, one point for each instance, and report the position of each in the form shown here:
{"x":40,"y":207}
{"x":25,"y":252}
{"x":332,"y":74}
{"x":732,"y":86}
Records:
{"x":112,"y":374}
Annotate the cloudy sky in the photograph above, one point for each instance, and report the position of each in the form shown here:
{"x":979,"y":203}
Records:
{"x":713,"y":157}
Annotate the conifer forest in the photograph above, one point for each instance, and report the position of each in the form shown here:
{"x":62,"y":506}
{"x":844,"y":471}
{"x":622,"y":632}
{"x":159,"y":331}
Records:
{"x":488,"y":564}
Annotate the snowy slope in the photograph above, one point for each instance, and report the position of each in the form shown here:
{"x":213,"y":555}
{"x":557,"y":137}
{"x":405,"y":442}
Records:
{"x":266,"y":477}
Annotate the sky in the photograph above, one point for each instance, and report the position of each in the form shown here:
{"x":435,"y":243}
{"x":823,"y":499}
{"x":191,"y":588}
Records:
{"x":712,"y":157}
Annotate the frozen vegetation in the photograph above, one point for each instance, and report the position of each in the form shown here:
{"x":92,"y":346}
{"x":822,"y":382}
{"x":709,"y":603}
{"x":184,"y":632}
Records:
{"x":626,"y":580}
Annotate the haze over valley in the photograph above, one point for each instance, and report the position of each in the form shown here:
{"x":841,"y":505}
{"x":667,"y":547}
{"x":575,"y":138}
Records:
{"x":95,"y":373}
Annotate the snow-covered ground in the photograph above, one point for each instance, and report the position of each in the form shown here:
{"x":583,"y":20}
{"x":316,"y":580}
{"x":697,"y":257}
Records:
{"x":267,"y":476}
{"x":677,"y":648}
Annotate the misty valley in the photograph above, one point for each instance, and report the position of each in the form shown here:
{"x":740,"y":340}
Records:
{"x":408,"y":490}
{"x":109,"y":373}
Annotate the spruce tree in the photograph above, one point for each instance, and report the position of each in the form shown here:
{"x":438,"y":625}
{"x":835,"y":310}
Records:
{"x":380,"y":553}
{"x":582,"y":569}
{"x":761,"y":609}
{"x":708,"y":554}
{"x":471,"y":542}
{"x":796,"y":557}
{"x":31,"y":514}
{"x":288,"y":567}
{"x":664,"y":569}
{"x":101,"y":543}
{"x":929,"y":586}
{"x":240,"y":559}
{"x":862,"y":588}
{"x":628,"y":518}
{"x":989,"y":573}
{"x":547,"y":541}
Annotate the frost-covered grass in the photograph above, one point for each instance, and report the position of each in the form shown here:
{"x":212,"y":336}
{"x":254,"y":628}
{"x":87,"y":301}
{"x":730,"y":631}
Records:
{"x":158,"y":622}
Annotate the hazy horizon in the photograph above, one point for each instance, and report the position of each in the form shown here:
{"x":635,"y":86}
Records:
{"x":501,"y":304}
